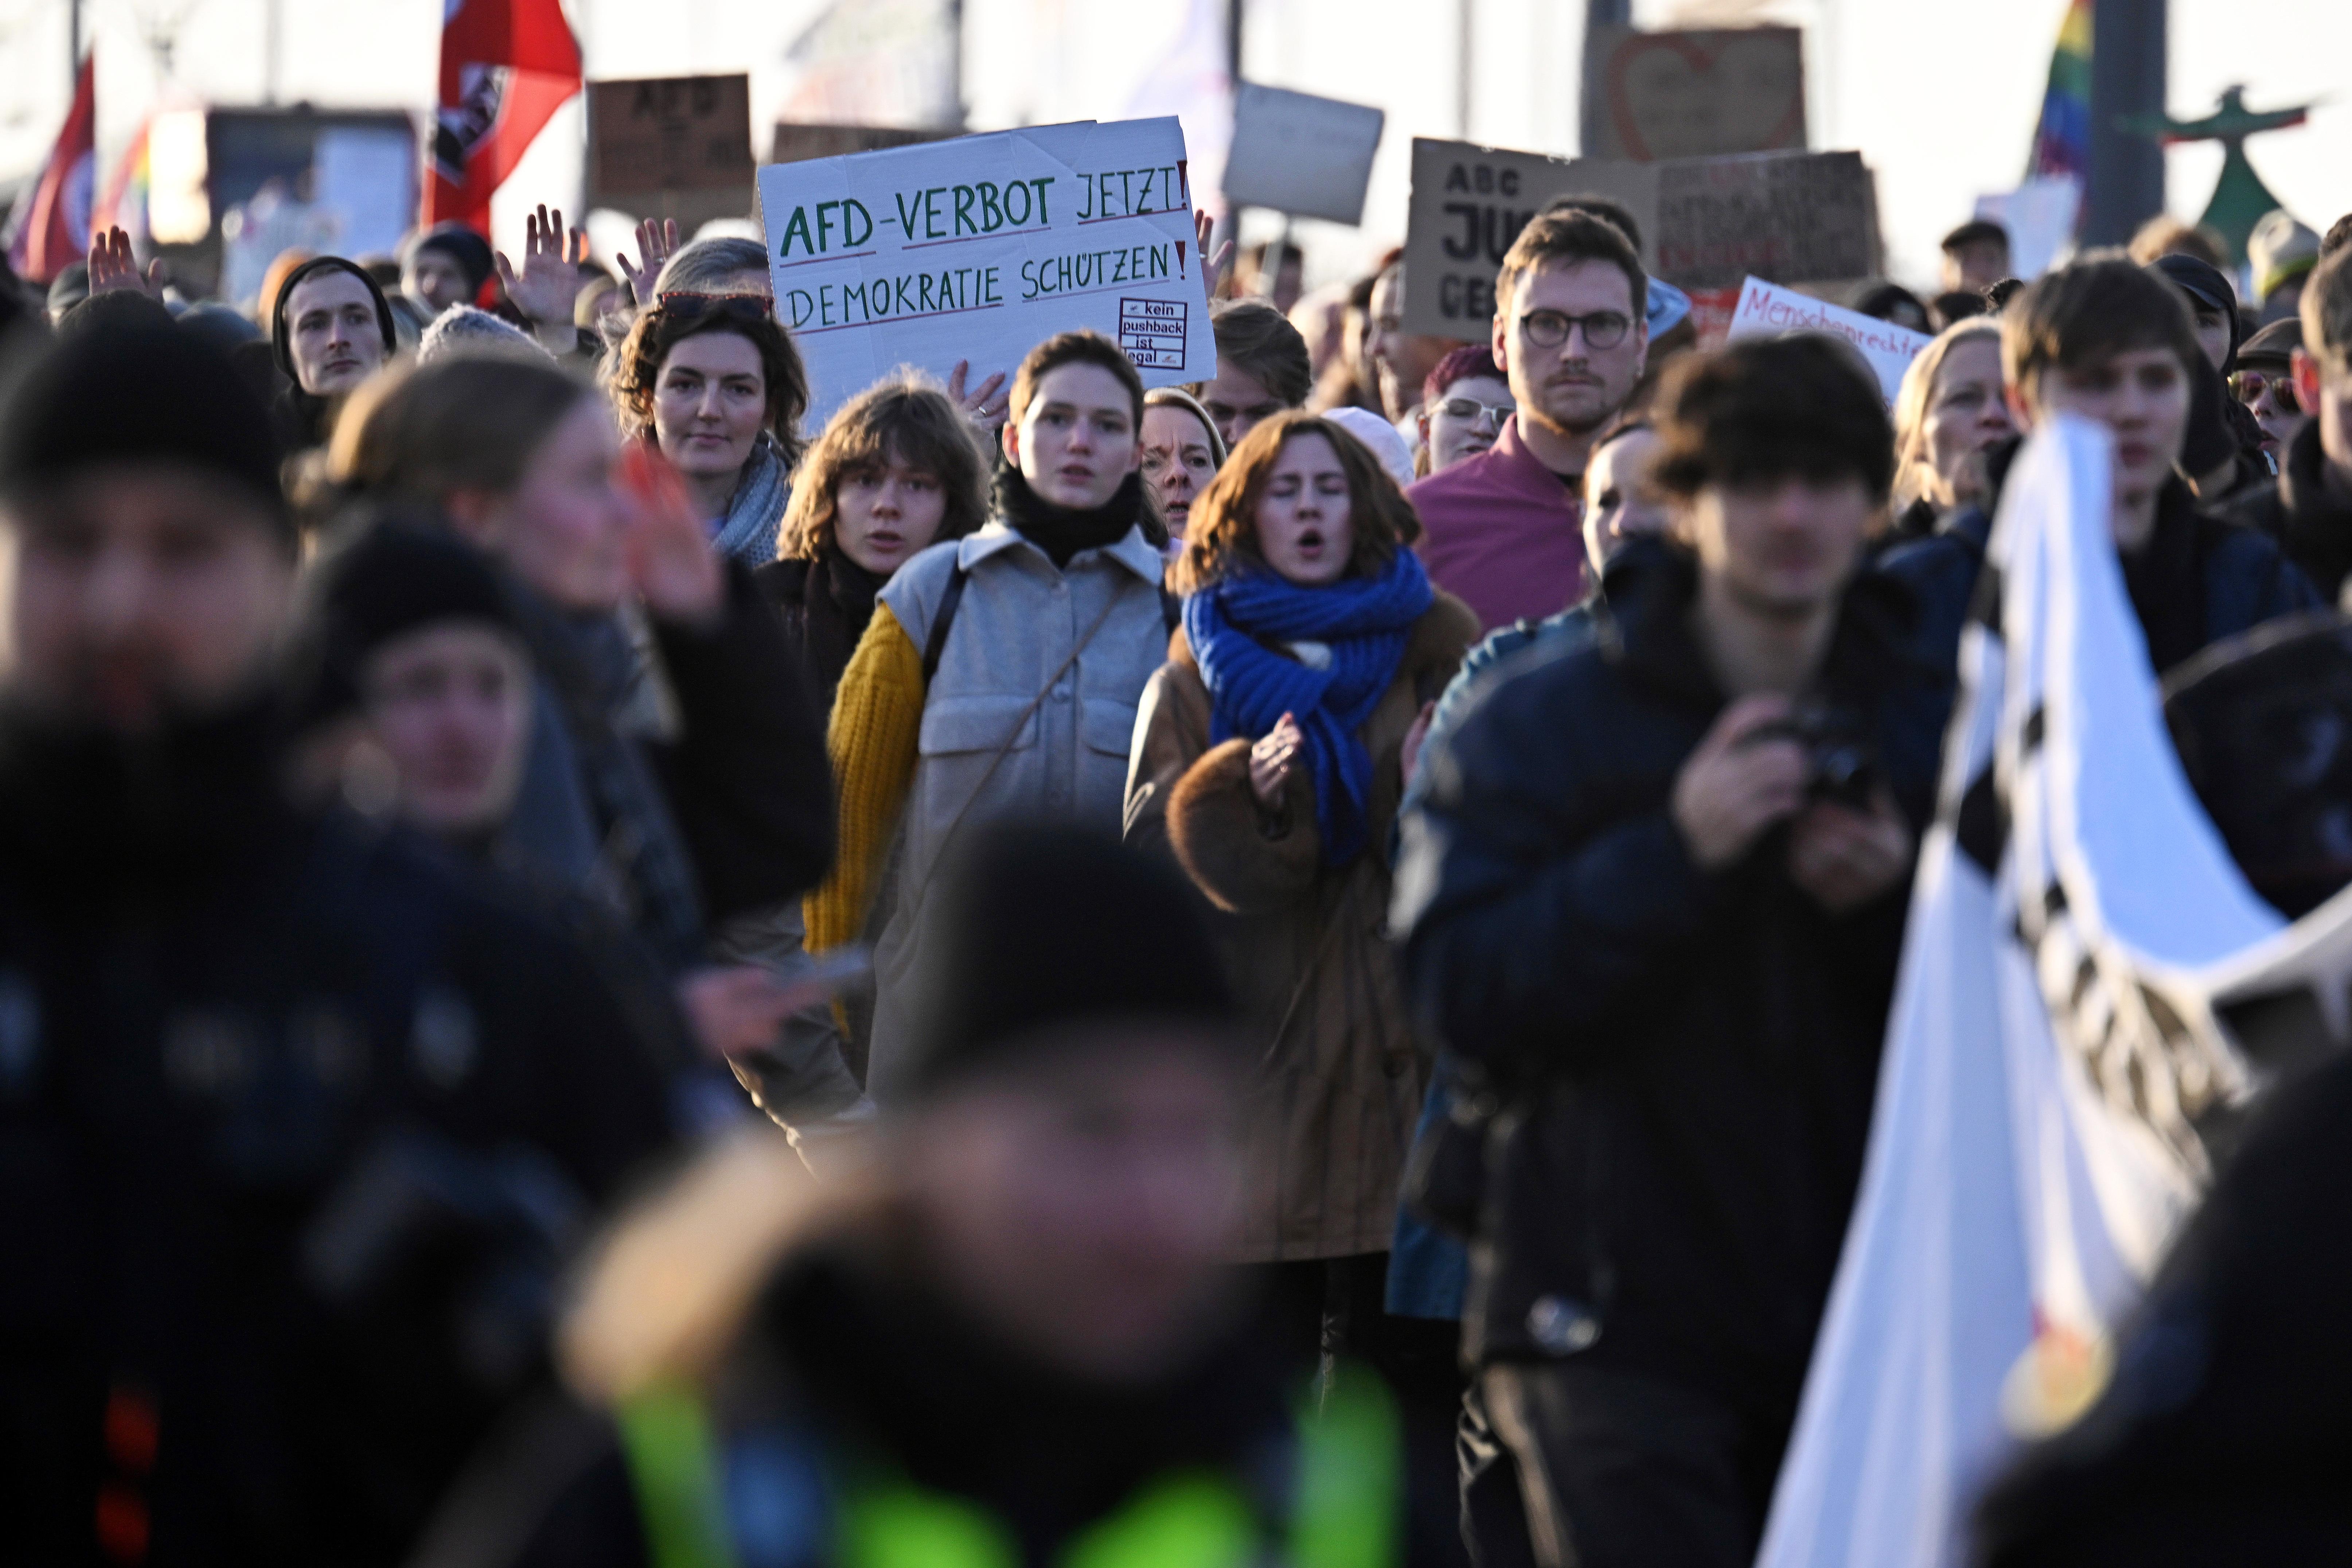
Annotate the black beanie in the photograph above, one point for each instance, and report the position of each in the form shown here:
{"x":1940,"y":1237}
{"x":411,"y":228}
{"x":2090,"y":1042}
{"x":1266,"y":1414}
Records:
{"x":283,"y":340}
{"x":1030,"y":928}
{"x":460,"y":243}
{"x":123,"y":393}
{"x":2205,"y":284}
{"x":390,"y":572}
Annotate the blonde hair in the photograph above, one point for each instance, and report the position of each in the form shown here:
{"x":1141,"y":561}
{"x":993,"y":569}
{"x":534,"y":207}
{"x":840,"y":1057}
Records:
{"x":1913,"y":463}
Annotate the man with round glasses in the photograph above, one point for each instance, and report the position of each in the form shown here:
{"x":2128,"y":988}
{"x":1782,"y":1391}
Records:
{"x":1505,"y":528}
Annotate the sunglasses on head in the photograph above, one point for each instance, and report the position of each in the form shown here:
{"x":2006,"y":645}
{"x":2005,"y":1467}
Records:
{"x":688,"y":307}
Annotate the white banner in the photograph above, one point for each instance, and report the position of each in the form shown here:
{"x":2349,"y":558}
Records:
{"x":2053,"y":1050}
{"x":981,"y":248}
{"x":1767,"y":310}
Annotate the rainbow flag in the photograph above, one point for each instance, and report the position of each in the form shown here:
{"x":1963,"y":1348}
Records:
{"x":2062,"y":142}
{"x":125,"y":201}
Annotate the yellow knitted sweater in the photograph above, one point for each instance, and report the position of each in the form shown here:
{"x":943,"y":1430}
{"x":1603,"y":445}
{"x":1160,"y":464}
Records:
{"x":876,"y":720}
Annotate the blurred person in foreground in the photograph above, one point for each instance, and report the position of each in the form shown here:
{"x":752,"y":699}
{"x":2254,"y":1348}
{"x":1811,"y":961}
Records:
{"x":675,"y":775}
{"x":1571,"y":332}
{"x":2309,"y":510}
{"x":1464,"y":404}
{"x":1262,"y":368}
{"x":1948,"y":417}
{"x":2107,"y":341}
{"x":1182,"y":451}
{"x":1656,"y":891}
{"x":1016,"y":1341}
{"x":999,"y":673}
{"x":299,"y":1129}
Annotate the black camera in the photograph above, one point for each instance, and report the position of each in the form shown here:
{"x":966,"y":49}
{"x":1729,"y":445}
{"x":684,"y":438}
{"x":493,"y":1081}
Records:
{"x":1842,"y":761}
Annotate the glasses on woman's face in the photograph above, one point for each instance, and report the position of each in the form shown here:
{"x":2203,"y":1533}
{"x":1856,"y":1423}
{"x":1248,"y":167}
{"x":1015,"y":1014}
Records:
{"x":1470,"y":411}
{"x":1550,"y":329}
{"x":688,"y":307}
{"x":2248,"y":387}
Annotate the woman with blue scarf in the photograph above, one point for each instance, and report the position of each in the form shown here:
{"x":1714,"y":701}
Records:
{"x":1267,"y":760}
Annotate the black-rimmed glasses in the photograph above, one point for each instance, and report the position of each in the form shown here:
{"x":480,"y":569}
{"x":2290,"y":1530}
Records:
{"x":1550,"y":329}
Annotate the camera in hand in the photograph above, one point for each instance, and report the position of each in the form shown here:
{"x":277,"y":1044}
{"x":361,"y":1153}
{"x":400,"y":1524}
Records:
{"x":1842,"y":761}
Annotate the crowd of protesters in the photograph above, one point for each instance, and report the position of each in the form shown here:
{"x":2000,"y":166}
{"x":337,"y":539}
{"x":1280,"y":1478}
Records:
{"x":1291,"y":968}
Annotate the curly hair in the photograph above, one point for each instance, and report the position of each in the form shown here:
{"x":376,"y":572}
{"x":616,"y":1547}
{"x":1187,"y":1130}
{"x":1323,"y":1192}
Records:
{"x":1222,"y":539}
{"x":903,"y":418}
{"x":636,"y":369}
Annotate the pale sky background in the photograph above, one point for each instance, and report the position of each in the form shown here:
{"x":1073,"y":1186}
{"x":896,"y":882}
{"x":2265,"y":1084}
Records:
{"x":1940,"y":97}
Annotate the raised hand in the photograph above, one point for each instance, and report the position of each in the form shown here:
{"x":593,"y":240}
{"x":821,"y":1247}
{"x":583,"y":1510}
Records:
{"x":112,"y":267}
{"x":984,"y":409}
{"x":656,"y":243}
{"x":676,"y":572}
{"x":548,"y":281}
{"x":1213,"y":267}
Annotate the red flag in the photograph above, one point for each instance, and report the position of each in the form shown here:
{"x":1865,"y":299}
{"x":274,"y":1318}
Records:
{"x":506,"y":67}
{"x":53,"y":219}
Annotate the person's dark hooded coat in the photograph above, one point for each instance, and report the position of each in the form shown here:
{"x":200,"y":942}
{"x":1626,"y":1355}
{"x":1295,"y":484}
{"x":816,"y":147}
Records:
{"x":1687,"y":1059}
{"x":301,"y":417}
{"x":2307,"y":519}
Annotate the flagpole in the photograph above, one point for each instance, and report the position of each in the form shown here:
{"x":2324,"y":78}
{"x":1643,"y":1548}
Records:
{"x":73,"y":45}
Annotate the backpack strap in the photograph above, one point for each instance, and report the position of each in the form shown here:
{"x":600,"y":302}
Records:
{"x":936,"y":645}
{"x":1172,"y":611}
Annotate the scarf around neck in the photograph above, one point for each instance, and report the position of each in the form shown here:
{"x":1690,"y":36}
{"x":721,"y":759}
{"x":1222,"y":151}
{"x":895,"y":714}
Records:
{"x":1240,"y":629}
{"x":748,"y":532}
{"x":836,"y":603}
{"x":1061,"y":532}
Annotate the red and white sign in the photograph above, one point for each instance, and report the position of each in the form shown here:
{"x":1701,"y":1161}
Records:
{"x":506,"y":67}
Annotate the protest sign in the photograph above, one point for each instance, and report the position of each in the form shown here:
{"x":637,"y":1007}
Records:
{"x":2040,"y":217}
{"x":797,"y":143}
{"x":981,"y":248}
{"x":1300,"y":155}
{"x":1469,"y":203}
{"x":666,"y":134}
{"x":1766,"y":310}
{"x":1693,"y":95}
{"x":1787,"y":217}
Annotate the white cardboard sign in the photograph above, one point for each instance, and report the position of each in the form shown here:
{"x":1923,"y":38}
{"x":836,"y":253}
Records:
{"x":1300,"y":155}
{"x":981,"y":248}
{"x":1767,"y":310}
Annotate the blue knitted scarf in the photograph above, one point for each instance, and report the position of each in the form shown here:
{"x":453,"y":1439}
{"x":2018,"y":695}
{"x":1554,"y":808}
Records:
{"x":1239,"y":628}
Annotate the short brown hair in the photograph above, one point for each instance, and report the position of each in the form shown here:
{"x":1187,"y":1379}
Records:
{"x":2093,"y":308}
{"x":2165,"y":235}
{"x":1081,"y":347}
{"x":2327,"y":314}
{"x":1260,"y":342}
{"x":1572,"y":234}
{"x":636,"y":368}
{"x":903,"y":418}
{"x":1764,"y":407}
{"x":1222,"y":538}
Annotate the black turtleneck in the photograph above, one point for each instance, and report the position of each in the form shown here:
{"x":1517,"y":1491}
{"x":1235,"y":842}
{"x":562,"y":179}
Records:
{"x":1061,"y":532}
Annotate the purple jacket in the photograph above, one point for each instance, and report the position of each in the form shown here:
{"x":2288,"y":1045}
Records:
{"x":1504,"y":535}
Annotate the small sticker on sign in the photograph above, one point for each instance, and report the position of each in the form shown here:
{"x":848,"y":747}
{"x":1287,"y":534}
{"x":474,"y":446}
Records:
{"x":1152,"y":332}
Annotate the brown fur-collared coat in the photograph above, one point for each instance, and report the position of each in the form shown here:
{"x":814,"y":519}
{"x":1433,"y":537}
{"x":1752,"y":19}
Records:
{"x":1340,"y":1078}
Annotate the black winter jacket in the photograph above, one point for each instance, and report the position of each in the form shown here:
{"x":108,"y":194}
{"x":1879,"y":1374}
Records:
{"x":2302,"y":515}
{"x":2200,"y":579}
{"x":293,"y":1128}
{"x":1687,"y":1059}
